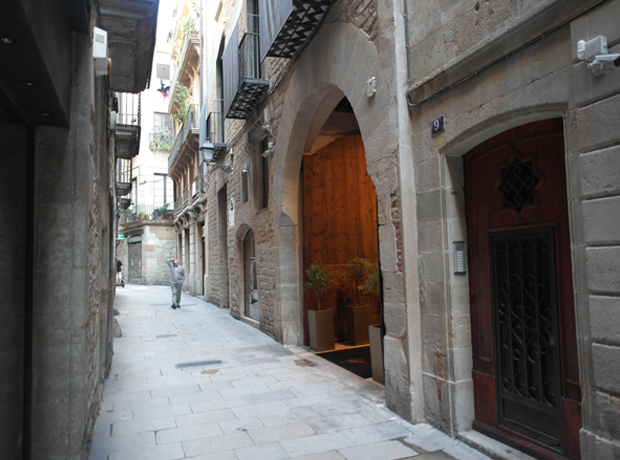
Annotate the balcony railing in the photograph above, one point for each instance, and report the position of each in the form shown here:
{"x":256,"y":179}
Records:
{"x":215,"y":134}
{"x":162,"y":139}
{"x":198,"y":185}
{"x":188,"y":53}
{"x":129,"y":109}
{"x":243,"y":83}
{"x":191,"y":122}
{"x":215,"y":128}
{"x":128,"y":121}
{"x":123,"y":176}
{"x":145,"y":212}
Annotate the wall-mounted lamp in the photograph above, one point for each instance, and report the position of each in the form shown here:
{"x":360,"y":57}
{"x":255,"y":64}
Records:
{"x":227,"y":169}
{"x":206,"y":152}
{"x":594,"y":52}
{"x":246,"y":172}
{"x":269,"y":150}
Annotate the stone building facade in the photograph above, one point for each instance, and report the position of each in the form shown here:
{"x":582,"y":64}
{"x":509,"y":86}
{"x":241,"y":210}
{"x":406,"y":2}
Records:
{"x":58,"y":184}
{"x":483,"y":129}
{"x":183,"y":165}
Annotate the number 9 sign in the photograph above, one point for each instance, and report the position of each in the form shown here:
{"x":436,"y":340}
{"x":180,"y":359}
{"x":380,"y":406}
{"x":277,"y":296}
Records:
{"x":437,"y":125}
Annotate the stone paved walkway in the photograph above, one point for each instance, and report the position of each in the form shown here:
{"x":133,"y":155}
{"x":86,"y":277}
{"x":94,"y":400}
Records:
{"x":196,"y":383}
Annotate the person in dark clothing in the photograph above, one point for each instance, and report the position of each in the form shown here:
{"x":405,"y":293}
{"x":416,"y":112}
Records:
{"x":119,"y":271}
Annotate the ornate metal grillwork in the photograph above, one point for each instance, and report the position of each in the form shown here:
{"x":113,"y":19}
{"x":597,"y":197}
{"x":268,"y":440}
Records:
{"x":526,"y":332}
{"x":303,"y":19}
{"x":518,"y":184}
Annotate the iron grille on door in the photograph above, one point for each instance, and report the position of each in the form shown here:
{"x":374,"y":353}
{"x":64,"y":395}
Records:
{"x":525,"y":315}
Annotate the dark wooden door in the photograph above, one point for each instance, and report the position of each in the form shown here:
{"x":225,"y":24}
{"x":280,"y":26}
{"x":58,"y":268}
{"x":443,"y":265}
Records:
{"x":525,"y":373}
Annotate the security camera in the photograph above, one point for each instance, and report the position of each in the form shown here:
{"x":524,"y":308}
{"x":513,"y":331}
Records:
{"x":603,"y":62}
{"x":594,"y":52}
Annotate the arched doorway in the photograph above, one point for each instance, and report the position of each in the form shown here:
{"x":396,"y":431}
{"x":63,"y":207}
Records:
{"x":525,"y":371}
{"x":339,"y":215}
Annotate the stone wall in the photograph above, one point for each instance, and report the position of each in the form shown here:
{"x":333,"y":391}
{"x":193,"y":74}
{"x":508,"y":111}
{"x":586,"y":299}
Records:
{"x":595,"y":168}
{"x":542,"y":80}
{"x":71,"y":269}
{"x":158,"y":246}
{"x":14,"y":255}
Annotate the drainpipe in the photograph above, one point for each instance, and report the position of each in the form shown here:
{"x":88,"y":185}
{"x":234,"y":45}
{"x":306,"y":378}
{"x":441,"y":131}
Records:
{"x":406,"y":18}
{"x":202,"y":23}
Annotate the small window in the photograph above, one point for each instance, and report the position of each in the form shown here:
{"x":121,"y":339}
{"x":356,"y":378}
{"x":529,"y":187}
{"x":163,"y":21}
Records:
{"x":245,"y":183}
{"x":162,"y":120}
{"x":265,"y":165}
{"x":163,"y":71}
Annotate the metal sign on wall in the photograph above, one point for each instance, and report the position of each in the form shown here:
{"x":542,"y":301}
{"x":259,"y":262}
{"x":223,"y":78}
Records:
{"x":135,"y":239}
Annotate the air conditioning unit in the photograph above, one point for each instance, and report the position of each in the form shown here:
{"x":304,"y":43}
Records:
{"x":103,"y":64}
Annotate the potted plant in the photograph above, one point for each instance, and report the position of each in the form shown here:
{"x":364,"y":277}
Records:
{"x":162,"y":211}
{"x":143,"y":215}
{"x":320,"y":321}
{"x":359,"y":271}
{"x":375,"y":332}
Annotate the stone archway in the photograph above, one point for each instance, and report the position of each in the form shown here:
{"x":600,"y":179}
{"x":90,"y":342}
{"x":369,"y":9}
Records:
{"x":452,"y":178}
{"x":310,"y":97}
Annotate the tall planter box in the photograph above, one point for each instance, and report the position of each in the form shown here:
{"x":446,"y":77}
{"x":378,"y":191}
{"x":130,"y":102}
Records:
{"x":321,"y":328}
{"x":358,"y":320}
{"x":376,"y":353}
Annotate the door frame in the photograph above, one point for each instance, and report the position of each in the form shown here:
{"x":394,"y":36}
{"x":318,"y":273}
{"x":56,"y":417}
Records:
{"x":486,"y":419}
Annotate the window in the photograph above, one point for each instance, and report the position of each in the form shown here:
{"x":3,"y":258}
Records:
{"x":245,"y":182}
{"x":162,"y":190}
{"x":134,"y":194}
{"x":252,"y":65}
{"x":265,"y":164}
{"x":162,"y":120}
{"x":163,"y":71}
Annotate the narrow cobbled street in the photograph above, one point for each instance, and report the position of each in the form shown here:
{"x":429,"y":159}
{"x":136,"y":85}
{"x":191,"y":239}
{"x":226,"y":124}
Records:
{"x":196,"y":383}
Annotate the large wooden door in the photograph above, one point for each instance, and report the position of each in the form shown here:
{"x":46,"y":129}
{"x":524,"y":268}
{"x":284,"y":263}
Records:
{"x":339,"y":222}
{"x":526,"y":380}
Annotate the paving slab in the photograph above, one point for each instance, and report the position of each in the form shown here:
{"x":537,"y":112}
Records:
{"x":196,"y":383}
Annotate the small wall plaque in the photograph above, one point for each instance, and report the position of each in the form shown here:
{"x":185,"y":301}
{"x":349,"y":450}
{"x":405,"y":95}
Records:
{"x":458,"y":249}
{"x":437,"y":125}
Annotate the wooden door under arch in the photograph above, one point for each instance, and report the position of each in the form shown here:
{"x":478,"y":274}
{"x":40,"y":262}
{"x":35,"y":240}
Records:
{"x":525,"y":370}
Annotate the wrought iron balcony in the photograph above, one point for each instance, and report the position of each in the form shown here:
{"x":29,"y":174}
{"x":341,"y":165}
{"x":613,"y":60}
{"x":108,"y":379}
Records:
{"x":243,"y":83}
{"x":215,"y":134}
{"x":162,"y":139}
{"x":145,"y":212}
{"x":290,"y":25}
{"x":189,"y":57}
{"x":187,"y":137}
{"x":123,"y":176}
{"x":128,"y":119}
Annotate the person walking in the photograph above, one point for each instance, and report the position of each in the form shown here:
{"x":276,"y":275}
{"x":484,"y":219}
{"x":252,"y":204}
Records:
{"x":177,"y":277}
{"x":119,"y":271}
